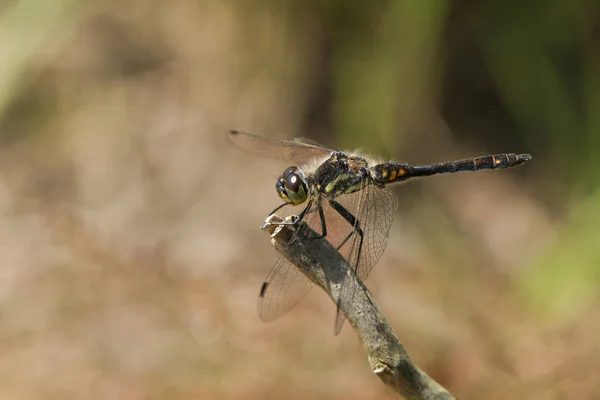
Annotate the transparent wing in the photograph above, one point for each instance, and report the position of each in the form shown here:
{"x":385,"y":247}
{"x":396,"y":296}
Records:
{"x":376,"y":211}
{"x":283,"y":288}
{"x":374,"y":208}
{"x":299,"y":151}
{"x":285,"y":285}
{"x":307,"y":140}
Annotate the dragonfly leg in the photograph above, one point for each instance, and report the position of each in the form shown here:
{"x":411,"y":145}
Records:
{"x":323,"y":224}
{"x":278,"y":208}
{"x":303,"y":213}
{"x":294,"y":222}
{"x":347,"y":215}
{"x":299,"y":218}
{"x":344,"y":294}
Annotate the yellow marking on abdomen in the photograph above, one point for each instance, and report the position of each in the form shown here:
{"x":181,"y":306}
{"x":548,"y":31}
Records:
{"x":393,"y":175}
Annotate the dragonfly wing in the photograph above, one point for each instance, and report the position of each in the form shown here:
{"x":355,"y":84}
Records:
{"x":286,"y":285}
{"x":374,"y":209}
{"x":287,"y":150}
{"x":283,"y":288}
{"x":307,"y":140}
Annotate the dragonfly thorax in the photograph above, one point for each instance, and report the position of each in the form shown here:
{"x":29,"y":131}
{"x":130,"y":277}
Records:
{"x":342,"y":174}
{"x":292,"y":187}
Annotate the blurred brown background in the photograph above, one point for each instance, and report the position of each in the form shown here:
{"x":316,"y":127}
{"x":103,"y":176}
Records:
{"x":130,"y":254}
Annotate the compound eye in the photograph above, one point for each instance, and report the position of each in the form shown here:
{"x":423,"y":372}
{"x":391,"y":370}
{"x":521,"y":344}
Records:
{"x":292,"y":182}
{"x":289,"y":170}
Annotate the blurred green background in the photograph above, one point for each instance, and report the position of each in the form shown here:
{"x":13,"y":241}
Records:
{"x":130,"y":254}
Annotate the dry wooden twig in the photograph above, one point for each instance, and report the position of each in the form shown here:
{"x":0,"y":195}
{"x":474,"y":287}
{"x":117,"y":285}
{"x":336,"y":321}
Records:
{"x":322,"y":264}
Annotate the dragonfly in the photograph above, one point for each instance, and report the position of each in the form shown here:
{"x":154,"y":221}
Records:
{"x":344,"y":197}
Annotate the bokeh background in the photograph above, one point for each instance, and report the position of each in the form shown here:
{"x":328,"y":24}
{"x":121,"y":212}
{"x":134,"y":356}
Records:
{"x":130,"y":254}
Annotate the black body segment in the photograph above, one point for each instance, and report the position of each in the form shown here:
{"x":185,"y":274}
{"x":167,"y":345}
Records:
{"x":396,"y":172}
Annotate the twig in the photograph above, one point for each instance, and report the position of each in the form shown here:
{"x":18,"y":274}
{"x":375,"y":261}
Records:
{"x":323,"y":264}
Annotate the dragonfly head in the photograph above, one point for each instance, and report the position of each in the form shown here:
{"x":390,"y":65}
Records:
{"x":291,"y":186}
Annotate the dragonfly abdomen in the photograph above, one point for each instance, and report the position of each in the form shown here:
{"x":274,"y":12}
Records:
{"x":391,"y":172}
{"x":395,"y":172}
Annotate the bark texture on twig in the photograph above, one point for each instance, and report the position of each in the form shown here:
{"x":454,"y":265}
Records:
{"x":322,"y":264}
